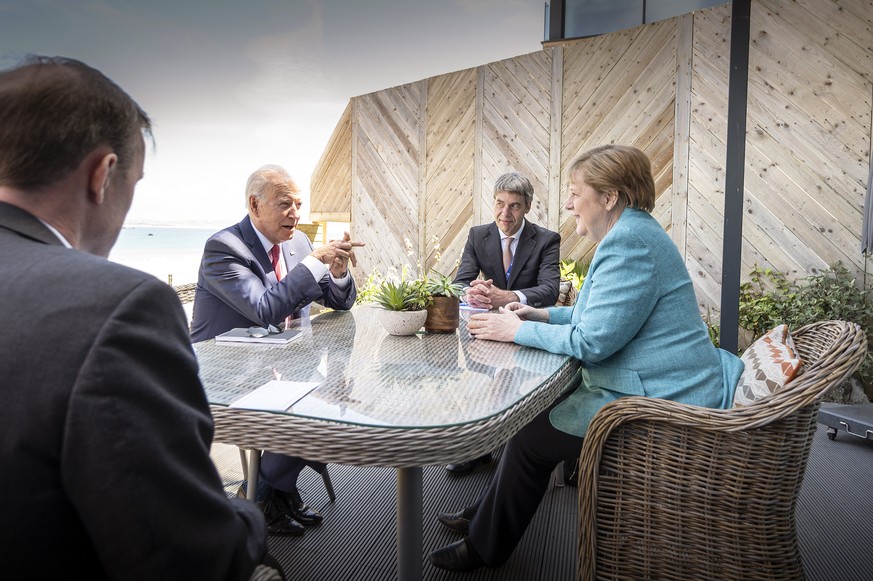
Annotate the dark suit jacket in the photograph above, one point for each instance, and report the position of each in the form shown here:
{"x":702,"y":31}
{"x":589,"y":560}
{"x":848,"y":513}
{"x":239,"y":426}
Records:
{"x":236,"y":285}
{"x":535,"y":266}
{"x":104,"y":452}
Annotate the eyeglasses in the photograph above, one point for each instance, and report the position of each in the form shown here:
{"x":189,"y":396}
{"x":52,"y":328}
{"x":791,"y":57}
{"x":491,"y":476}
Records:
{"x":262,"y":332}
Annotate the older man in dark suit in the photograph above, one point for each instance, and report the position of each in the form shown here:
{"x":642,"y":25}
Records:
{"x":518,"y":261}
{"x":104,"y":460}
{"x":263,"y":271}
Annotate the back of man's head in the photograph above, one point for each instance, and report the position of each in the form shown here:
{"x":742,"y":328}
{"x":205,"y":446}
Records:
{"x":54,"y":111}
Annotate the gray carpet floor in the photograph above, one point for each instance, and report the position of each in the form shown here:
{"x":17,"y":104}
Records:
{"x":356,"y":542}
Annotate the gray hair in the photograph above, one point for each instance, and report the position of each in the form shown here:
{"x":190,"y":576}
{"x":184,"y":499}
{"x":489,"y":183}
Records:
{"x":267,"y":179}
{"x":515,"y":183}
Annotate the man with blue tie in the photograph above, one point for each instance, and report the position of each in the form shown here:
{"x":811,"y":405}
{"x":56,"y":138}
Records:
{"x":263,"y":272}
{"x":518,"y":261}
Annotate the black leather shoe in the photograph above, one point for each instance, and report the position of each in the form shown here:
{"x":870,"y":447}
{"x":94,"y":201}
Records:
{"x":469,"y":466}
{"x":279,"y":522}
{"x":456,"y":557}
{"x":299,"y":510}
{"x":455,"y":521}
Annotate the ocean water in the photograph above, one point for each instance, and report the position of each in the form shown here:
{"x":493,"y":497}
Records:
{"x":162,"y":251}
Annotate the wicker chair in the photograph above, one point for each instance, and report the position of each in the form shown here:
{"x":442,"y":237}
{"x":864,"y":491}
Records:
{"x":670,"y":491}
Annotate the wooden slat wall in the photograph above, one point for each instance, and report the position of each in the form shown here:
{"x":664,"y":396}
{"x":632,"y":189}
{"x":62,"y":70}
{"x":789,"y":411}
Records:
{"x":331,"y":183}
{"x":421,"y":159}
{"x":386,"y":184}
{"x":448,"y":185}
{"x":517,"y":128}
{"x":707,"y":138}
{"x":619,"y":88}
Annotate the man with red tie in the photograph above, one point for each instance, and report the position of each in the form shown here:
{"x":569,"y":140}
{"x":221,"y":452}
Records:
{"x":261,"y":272}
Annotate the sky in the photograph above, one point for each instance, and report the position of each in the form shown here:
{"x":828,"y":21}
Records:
{"x":234,"y":85}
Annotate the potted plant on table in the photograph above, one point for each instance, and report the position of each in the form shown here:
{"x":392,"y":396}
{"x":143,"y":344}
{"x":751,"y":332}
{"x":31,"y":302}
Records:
{"x":429,"y":297}
{"x":405,"y":303}
{"x":443,"y":313}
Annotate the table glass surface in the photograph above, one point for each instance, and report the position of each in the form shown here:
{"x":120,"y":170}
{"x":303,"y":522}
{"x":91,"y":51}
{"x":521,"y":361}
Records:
{"x":370,"y":378}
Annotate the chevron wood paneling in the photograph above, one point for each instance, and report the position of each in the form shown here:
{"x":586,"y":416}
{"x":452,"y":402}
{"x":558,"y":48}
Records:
{"x":387,"y":159}
{"x":809,"y":125}
{"x":710,"y":61}
{"x":516,"y":120}
{"x":331,"y":184}
{"x":619,"y":88}
{"x":448,"y":185}
{"x":420,"y":160}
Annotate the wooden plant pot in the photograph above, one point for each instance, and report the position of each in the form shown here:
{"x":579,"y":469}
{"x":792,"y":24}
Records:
{"x":443,"y":315}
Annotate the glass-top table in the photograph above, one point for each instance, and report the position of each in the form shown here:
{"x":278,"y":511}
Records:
{"x":382,"y":400}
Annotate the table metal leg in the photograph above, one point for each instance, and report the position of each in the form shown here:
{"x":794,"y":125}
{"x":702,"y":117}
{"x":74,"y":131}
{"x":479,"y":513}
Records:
{"x":409,"y":524}
{"x":254,"y":470}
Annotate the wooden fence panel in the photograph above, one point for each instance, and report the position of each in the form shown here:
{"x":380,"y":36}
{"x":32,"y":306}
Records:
{"x":385,"y":201}
{"x":448,"y":185}
{"x":516,"y":123}
{"x":421,"y":159}
{"x":632,"y":102}
{"x":331,"y":185}
{"x":707,"y":152}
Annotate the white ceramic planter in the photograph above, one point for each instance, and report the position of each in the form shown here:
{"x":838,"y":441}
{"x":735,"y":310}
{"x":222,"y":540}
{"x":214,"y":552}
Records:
{"x":402,"y":322}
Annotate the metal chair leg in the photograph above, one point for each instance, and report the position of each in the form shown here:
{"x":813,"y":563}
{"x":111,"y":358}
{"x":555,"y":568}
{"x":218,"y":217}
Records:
{"x":253,"y":472}
{"x":244,"y":462}
{"x":252,"y":476}
{"x":558,"y":474}
{"x":328,"y":484}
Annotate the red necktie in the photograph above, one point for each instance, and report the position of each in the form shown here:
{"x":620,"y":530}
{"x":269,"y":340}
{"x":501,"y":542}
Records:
{"x":274,"y":259}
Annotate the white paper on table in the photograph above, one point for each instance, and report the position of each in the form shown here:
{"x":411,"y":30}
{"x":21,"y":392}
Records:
{"x":275,"y":396}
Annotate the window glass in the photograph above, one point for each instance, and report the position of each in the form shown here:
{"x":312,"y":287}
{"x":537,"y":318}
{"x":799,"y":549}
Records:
{"x":592,"y":17}
{"x":664,"y":9}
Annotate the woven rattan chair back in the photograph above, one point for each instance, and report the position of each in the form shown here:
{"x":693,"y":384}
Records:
{"x":675,"y":492}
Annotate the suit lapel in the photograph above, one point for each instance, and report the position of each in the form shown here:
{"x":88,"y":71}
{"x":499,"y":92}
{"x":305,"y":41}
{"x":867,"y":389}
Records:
{"x":494,"y":255}
{"x":250,"y":237}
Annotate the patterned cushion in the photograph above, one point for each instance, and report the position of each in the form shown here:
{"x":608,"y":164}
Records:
{"x":771,"y":362}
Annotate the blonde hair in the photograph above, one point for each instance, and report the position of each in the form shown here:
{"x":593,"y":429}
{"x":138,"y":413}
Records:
{"x":620,"y":168}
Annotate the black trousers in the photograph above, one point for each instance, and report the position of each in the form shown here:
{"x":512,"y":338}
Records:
{"x":505,"y":508}
{"x":280,"y":471}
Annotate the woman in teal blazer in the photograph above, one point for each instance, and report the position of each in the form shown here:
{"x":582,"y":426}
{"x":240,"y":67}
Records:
{"x":636,"y":329}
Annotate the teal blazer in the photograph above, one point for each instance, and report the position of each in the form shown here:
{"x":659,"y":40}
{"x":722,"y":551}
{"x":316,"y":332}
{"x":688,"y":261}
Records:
{"x":636,"y":329}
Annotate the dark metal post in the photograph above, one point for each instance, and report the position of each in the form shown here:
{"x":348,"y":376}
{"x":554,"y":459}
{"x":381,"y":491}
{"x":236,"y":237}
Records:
{"x":556,"y":19}
{"x":409,"y":521}
{"x":734,"y":167}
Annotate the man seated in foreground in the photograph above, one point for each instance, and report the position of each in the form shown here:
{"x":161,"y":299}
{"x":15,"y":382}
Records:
{"x":526,"y":270}
{"x":262,"y":272}
{"x":104,"y":460}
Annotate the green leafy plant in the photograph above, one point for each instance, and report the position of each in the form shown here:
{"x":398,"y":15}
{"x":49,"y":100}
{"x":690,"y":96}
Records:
{"x":440,"y":285}
{"x":574,"y":271}
{"x":712,"y":328}
{"x":769,"y":299}
{"x":407,"y":291}
{"x":403,"y":295}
